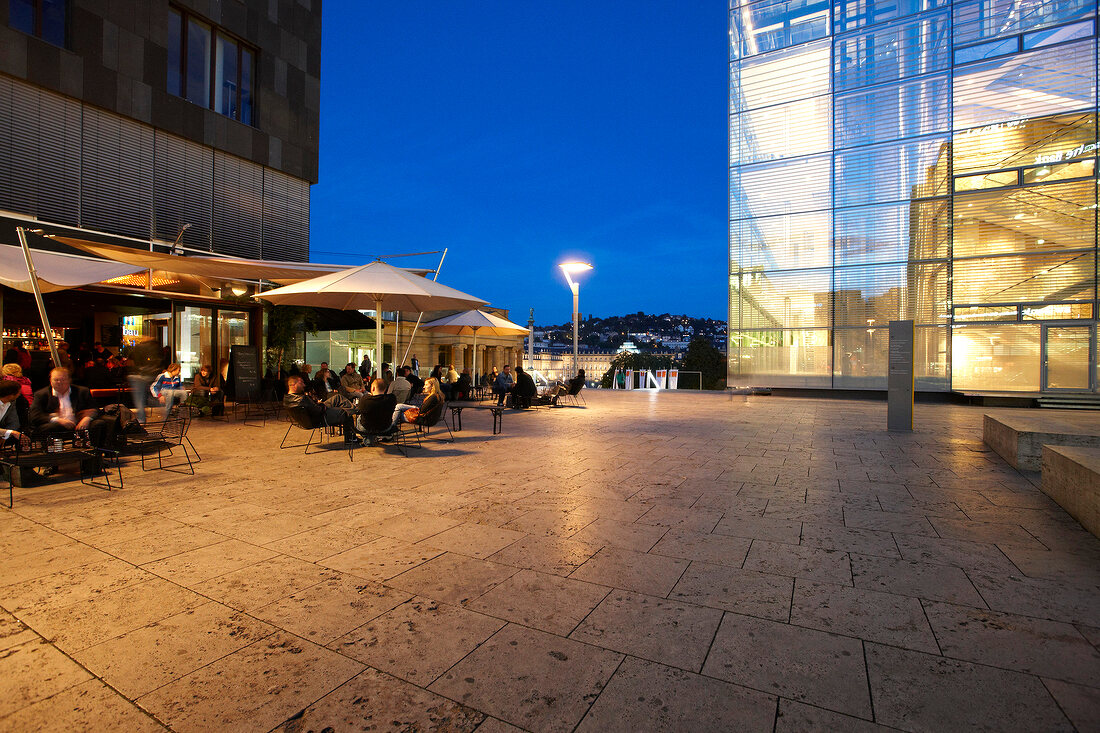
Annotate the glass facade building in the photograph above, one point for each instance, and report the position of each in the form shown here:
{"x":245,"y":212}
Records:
{"x":922,"y":160}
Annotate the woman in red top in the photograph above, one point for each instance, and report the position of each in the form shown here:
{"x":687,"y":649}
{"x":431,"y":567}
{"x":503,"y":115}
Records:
{"x":14,"y":373}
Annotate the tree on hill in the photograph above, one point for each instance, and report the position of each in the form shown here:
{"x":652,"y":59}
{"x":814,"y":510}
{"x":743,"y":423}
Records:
{"x":701,"y":356}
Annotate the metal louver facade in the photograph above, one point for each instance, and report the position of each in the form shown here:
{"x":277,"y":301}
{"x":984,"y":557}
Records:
{"x":67,"y":162}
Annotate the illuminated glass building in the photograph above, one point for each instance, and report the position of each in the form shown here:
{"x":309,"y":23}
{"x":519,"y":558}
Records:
{"x":914,"y":159}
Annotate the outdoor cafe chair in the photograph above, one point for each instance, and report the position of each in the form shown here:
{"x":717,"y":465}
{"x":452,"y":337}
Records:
{"x":158,"y":439}
{"x":299,"y":418}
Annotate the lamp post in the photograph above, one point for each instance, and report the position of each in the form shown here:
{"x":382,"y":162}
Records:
{"x":573,"y":268}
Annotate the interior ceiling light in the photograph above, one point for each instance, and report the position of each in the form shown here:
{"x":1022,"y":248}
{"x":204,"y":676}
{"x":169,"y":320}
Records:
{"x":139,"y":280}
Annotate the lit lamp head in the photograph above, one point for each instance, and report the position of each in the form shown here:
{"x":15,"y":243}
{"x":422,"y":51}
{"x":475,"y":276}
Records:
{"x":573,"y":268}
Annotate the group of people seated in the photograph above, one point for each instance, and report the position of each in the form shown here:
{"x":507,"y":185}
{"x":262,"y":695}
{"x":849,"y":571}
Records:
{"x":60,"y":408}
{"x":521,"y":389}
{"x":370,"y":416}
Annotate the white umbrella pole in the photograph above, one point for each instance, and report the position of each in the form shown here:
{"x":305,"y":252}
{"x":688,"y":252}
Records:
{"x":378,"y":335}
{"x":38,"y":295}
{"x":435,"y":278}
{"x":477,"y":381}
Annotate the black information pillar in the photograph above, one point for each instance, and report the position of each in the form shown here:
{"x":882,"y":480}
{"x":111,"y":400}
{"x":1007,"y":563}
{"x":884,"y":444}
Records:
{"x":899,"y":399}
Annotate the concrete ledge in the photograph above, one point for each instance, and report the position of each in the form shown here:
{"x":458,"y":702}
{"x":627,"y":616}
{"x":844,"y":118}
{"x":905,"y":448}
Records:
{"x":1071,"y":476}
{"x":1018,"y":436}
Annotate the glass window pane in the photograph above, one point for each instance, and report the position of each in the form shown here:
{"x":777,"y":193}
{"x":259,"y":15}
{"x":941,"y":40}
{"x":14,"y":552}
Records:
{"x":986,"y":180}
{"x":796,"y":73}
{"x":783,"y":187}
{"x":785,"y":130}
{"x":914,"y":166}
{"x":232,"y":331}
{"x":793,"y":358}
{"x":892,"y":233}
{"x":987,"y":50}
{"x":853,"y":14}
{"x":198,"y":63}
{"x":1033,"y":219}
{"x":175,"y":39}
{"x":225,"y":72}
{"x":194,"y":339}
{"x":889,"y":112}
{"x":1023,"y":278}
{"x":1057,"y":312}
{"x":1058,"y":35}
{"x":871,"y":297}
{"x":969,"y":314}
{"x":1024,"y":85}
{"x":1051,"y":139}
{"x":21,"y":15}
{"x":785,"y":242}
{"x":995,"y":358}
{"x":981,"y":19}
{"x":769,"y":25}
{"x":893,"y":52}
{"x":1067,"y":357}
{"x":54,"y":17}
{"x":792,"y":299}
{"x":247,"y":65}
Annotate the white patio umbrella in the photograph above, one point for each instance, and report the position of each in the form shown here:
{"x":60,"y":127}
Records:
{"x":375,"y":285}
{"x":473,"y":322}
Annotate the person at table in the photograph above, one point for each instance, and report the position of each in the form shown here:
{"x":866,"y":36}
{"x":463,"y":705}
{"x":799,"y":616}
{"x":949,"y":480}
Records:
{"x":399,"y":387}
{"x":168,"y":387}
{"x":206,"y":391}
{"x":321,"y":386}
{"x":433,"y":398}
{"x":504,"y":384}
{"x":352,"y":384}
{"x":332,"y":377}
{"x":64,"y":407}
{"x":375,"y":410}
{"x":463,"y":386}
{"x":336,"y":412}
{"x":11,"y":422}
{"x":18,"y":354}
{"x":416,"y":384}
{"x":490,"y":379}
{"x":365,"y":369}
{"x":13,"y":372}
{"x":524,"y":390}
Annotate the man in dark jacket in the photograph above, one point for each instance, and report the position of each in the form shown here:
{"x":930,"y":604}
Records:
{"x":296,"y":397}
{"x":64,"y":406}
{"x":524,"y":390}
{"x":375,"y":409}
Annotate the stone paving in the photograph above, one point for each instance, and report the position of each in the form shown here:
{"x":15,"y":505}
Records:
{"x":685,"y":562}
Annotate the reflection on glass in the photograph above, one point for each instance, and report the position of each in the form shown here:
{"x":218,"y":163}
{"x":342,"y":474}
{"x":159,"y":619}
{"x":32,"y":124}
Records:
{"x":995,"y":358}
{"x":194,"y":339}
{"x":799,"y":358}
{"x":21,"y":15}
{"x":982,"y":19}
{"x":225,"y":72}
{"x":247,"y":65}
{"x":175,"y":51}
{"x":1056,"y":312}
{"x":1017,"y":143}
{"x":892,"y":53}
{"x":884,"y":113}
{"x":198,"y":63}
{"x":54,"y":17}
{"x":793,"y":299}
{"x":1033,"y":219}
{"x":232,"y":331}
{"x":1067,"y":357}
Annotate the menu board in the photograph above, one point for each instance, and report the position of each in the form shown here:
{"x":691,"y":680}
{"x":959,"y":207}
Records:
{"x":244,"y":371}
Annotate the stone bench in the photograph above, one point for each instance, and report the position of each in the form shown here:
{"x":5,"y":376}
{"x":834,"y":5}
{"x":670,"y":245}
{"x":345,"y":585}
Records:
{"x":1018,"y":436}
{"x":1071,"y":476}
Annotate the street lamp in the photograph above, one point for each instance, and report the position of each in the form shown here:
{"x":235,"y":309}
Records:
{"x":573,"y":268}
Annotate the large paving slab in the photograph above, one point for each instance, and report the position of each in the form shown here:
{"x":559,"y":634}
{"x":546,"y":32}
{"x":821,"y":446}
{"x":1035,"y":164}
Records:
{"x":647,"y":562}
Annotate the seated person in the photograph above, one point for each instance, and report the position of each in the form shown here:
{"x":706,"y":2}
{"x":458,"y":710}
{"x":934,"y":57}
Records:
{"x":11,"y":421}
{"x":96,"y":375}
{"x":168,"y":387}
{"x":351,"y":383}
{"x":463,"y":386}
{"x":400,"y":388}
{"x":321,"y":385}
{"x":206,"y":392}
{"x":433,"y":398}
{"x":337,"y":411}
{"x":524,"y":390}
{"x":14,"y":372}
{"x":576,"y":382}
{"x":504,"y":384}
{"x":416,"y":384}
{"x":65,"y":407}
{"x":375,"y":410}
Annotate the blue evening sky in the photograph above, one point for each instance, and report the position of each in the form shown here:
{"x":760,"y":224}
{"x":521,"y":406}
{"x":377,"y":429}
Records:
{"x":520,"y":133}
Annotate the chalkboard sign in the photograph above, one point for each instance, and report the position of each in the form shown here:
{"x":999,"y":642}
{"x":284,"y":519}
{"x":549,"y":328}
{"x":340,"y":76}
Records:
{"x":244,"y":371}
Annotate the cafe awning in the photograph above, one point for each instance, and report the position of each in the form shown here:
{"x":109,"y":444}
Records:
{"x":56,"y":271}
{"x":218,"y":267}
